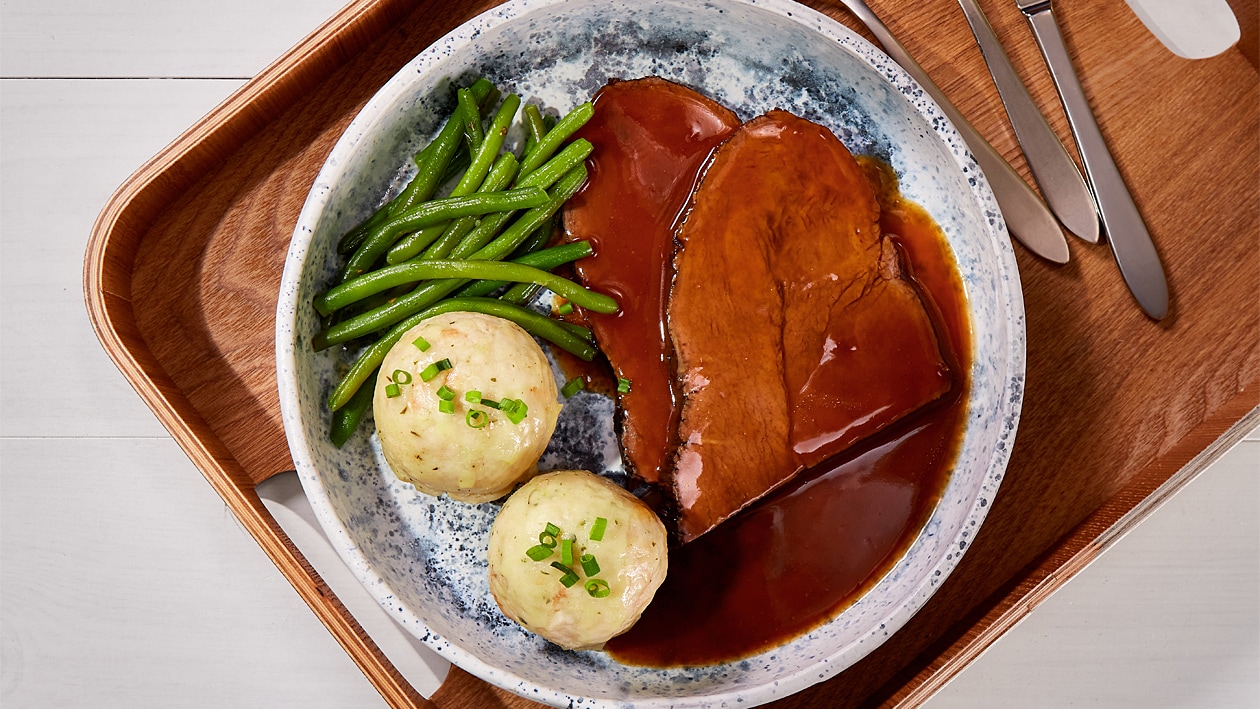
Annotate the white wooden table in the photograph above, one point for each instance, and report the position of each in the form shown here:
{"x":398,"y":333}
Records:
{"x":124,"y":579}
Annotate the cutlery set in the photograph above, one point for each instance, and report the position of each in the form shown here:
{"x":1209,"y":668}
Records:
{"x":1091,"y":207}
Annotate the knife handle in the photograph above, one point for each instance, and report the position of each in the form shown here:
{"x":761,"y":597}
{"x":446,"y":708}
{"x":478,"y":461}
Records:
{"x":1126,"y":231}
{"x":1026,"y":216}
{"x":1053,"y":169}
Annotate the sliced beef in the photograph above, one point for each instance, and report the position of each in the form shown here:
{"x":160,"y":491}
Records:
{"x":651,"y":137}
{"x":795,"y":331}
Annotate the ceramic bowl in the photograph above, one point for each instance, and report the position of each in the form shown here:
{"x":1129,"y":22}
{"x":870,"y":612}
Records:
{"x":424,"y":558}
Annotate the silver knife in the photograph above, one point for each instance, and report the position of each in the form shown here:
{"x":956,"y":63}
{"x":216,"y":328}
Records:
{"x":1053,"y":169}
{"x":1126,"y":232}
{"x":1027,"y":217}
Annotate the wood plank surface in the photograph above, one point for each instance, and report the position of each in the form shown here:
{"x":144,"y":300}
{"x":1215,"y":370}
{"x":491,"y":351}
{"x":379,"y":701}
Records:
{"x":1114,"y":405}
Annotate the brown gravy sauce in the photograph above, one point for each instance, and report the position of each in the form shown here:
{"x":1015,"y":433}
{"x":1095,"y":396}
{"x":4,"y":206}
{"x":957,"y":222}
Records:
{"x":798,"y":557}
{"x":650,"y":139}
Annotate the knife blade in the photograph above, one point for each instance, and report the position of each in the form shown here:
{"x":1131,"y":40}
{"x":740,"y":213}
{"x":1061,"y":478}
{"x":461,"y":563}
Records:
{"x":1125,"y":231}
{"x":1027,"y":217}
{"x":1056,"y":174}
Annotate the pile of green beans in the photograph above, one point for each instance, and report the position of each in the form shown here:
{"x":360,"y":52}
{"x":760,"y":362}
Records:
{"x":419,"y":256}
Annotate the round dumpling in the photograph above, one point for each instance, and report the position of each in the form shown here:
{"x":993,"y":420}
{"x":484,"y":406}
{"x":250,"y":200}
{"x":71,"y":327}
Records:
{"x":436,"y":438}
{"x":618,"y":552}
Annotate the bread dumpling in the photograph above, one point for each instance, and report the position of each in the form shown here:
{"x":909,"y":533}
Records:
{"x":436,"y":438}
{"x":580,"y":604}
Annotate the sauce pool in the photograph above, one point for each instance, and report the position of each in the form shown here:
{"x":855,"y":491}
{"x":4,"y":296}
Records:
{"x":794,"y":560}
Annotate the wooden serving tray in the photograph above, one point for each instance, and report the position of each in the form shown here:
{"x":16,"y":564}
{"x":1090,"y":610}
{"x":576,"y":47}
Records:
{"x":184,"y":265}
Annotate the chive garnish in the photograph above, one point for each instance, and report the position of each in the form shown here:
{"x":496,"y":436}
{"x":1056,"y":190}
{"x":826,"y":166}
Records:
{"x":597,"y":529}
{"x":547,"y":537}
{"x":590,"y":566}
{"x":434,"y":369}
{"x":476,"y":418}
{"x":569,"y":577}
{"x":598,"y":588}
{"x":572,"y":387}
{"x":445,"y":394}
{"x":446,"y":407}
{"x":402,"y":376}
{"x":515,"y":409}
{"x":490,"y":403}
{"x":421,"y":344}
{"x":472,"y":396}
{"x":392,"y":390}
{"x":538,"y":552}
{"x":623,"y":385}
{"x":566,"y":551}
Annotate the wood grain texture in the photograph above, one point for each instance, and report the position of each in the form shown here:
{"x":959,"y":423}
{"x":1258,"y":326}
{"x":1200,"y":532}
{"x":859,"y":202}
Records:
{"x":185,"y":263}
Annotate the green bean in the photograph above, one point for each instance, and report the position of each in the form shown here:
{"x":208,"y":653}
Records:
{"x":500,"y":177}
{"x":546,"y":259}
{"x":445,"y":235}
{"x":534,"y":126}
{"x":534,"y":323}
{"x":346,"y":419}
{"x":471,"y":114}
{"x":520,"y":293}
{"x":544,"y":177}
{"x":582,"y":332}
{"x":385,"y":278}
{"x":550,"y":143}
{"x":535,"y":217}
{"x":540,"y":238}
{"x":438,"y":211}
{"x":431,"y":292}
{"x":434,"y":165}
{"x":438,"y":236}
{"x":488,"y":151}
{"x":485,"y":94}
{"x":354,"y":238}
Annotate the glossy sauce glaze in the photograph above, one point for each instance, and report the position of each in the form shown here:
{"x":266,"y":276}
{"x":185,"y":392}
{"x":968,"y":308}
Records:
{"x":796,"y":334}
{"x":798,"y":557}
{"x":650,"y":138}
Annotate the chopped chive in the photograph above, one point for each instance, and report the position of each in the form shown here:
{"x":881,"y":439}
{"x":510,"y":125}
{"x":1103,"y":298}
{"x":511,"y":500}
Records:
{"x":392,"y":391}
{"x":472,"y":396}
{"x":443,"y":364}
{"x":572,"y":387}
{"x":490,"y":403}
{"x":565,"y":309}
{"x":476,"y":418}
{"x":429,"y":372}
{"x":421,"y":344}
{"x":590,"y":566}
{"x":597,"y":529}
{"x":548,"y":536}
{"x":598,"y":588}
{"x":566,"y":551}
{"x":569,"y":577}
{"x":402,"y":376}
{"x":446,"y":407}
{"x":445,"y":394}
{"x":515,"y":409}
{"x":623,"y":385}
{"x":538,"y":552}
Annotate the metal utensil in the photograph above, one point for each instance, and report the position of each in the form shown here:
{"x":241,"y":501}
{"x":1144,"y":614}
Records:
{"x":1053,"y":169}
{"x":1126,"y":232}
{"x":1027,"y":217}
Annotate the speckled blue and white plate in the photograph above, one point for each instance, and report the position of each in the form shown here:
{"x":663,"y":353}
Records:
{"x":423,"y":558}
